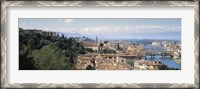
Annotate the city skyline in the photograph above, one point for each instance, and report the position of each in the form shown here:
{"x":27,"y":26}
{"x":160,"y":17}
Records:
{"x":118,"y":28}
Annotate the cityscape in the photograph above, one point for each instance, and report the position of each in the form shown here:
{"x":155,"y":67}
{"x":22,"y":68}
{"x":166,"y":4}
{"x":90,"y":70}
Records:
{"x":100,"y":44}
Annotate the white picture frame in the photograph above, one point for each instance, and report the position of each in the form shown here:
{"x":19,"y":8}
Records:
{"x":89,"y":4}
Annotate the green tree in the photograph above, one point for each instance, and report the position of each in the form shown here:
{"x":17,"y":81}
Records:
{"x":118,"y":47}
{"x":101,"y":44}
{"x":105,"y":42}
{"x":31,"y":44}
{"x":107,"y":51}
{"x":50,"y":58}
{"x":25,"y":62}
{"x":37,"y":50}
{"x":89,"y":67}
{"x":89,"y":50}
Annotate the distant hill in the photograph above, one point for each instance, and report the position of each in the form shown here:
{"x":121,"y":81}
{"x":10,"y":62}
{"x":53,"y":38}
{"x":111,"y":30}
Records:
{"x":85,"y":39}
{"x":89,"y":40}
{"x":70,"y":34}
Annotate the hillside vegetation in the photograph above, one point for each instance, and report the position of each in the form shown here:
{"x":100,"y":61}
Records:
{"x":42,"y":52}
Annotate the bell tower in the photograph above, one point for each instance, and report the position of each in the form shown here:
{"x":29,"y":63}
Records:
{"x":96,"y":41}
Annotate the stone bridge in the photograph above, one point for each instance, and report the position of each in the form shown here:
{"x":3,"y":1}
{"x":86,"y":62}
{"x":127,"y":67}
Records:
{"x":159,"y":52}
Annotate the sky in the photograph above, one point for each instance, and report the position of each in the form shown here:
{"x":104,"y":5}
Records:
{"x":109,"y":28}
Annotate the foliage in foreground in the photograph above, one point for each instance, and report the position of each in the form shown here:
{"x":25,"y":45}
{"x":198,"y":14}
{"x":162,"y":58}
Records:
{"x":40,"y":52}
{"x":50,"y":58}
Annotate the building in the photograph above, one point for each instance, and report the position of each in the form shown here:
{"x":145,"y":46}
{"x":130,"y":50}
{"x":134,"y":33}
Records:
{"x":114,"y":58}
{"x":148,"y":65}
{"x":97,"y":41}
{"x":34,"y":31}
{"x":91,"y":45}
{"x":135,"y":50}
{"x":83,"y":62}
{"x":100,"y":63}
{"x":47,"y":33}
{"x":156,"y":43}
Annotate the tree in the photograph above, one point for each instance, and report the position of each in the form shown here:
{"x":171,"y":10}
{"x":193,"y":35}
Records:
{"x":118,"y":47}
{"x":107,"y":51}
{"x":37,"y":50}
{"x":50,"y":58}
{"x":89,"y":50}
{"x":101,"y":44}
{"x":25,"y":62}
{"x":105,"y":42}
{"x":89,"y":67}
{"x":31,"y":44}
{"x":62,"y":36}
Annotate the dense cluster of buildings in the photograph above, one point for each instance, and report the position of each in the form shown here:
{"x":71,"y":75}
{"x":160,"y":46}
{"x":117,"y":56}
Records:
{"x":115,"y":62}
{"x":170,"y":46}
{"x":148,"y":65}
{"x":102,"y":62}
{"x":128,"y":57}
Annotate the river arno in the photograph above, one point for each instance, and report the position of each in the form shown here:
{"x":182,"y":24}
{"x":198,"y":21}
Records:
{"x":167,"y":60}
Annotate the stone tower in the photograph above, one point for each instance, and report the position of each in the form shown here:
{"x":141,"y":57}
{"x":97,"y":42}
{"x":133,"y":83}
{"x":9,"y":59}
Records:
{"x":96,"y":41}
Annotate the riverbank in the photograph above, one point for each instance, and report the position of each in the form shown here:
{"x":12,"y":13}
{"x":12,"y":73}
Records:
{"x":177,"y":61}
{"x":167,"y":61}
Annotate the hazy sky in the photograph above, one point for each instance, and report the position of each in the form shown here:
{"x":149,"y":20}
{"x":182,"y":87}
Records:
{"x":156,"y":28}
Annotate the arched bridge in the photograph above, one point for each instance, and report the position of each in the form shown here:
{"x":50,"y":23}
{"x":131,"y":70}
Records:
{"x":159,"y":52}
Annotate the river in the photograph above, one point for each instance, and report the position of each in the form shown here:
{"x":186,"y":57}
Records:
{"x":167,"y":60}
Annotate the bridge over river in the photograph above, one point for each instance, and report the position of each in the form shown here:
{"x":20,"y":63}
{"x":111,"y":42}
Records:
{"x":162,"y":53}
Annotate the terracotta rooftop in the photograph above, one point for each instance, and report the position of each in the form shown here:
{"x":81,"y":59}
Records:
{"x":89,"y":44}
{"x":84,"y":58}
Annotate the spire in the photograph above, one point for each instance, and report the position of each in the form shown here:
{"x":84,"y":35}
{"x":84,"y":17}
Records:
{"x":96,"y":41}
